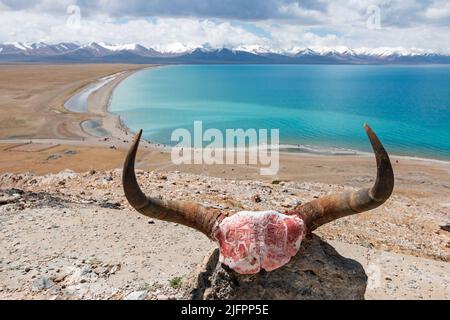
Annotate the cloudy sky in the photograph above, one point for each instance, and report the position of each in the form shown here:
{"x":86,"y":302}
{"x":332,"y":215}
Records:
{"x":273,"y":24}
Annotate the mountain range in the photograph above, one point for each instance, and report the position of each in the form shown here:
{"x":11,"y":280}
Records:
{"x":134,"y":53}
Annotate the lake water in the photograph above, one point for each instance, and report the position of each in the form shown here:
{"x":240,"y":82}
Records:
{"x":318,"y":108}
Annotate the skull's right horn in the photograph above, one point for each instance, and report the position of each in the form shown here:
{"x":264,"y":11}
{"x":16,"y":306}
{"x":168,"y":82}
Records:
{"x":332,"y":207}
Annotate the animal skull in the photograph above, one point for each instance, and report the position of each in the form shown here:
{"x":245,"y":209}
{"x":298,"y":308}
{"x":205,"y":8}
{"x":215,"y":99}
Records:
{"x":251,"y":241}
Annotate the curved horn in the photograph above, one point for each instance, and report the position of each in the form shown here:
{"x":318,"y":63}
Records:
{"x":187,"y":213}
{"x":332,"y":207}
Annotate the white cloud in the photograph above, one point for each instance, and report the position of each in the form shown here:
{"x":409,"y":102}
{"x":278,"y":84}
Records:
{"x":302,"y":15}
{"x":409,"y":23}
{"x":162,"y":33}
{"x":439,"y":10}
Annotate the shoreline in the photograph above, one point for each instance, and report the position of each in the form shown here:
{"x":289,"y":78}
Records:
{"x":99,"y":103}
{"x":99,"y":115}
{"x":95,"y":152}
{"x":124,"y":128}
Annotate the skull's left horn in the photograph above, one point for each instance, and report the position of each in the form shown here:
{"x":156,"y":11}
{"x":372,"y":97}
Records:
{"x":189,"y":214}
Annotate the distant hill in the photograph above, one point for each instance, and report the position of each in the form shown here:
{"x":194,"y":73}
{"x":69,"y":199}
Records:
{"x":135,"y":53}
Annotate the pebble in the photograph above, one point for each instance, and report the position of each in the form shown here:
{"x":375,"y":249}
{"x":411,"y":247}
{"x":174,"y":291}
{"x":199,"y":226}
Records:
{"x":114,"y":269}
{"x":137,"y":295}
{"x":53,"y":157}
{"x":9,"y":199}
{"x":256,"y":198}
{"x":445,"y":227}
{"x":41,"y":284}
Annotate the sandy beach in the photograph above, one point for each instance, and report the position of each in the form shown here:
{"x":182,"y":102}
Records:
{"x":39,"y":137}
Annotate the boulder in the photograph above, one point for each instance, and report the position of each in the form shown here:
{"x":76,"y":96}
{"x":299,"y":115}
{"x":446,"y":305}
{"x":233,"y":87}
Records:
{"x":318,"y":271}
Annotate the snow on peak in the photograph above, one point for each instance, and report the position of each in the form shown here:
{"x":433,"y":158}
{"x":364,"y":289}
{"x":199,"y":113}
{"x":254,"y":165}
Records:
{"x":179,"y":48}
{"x":343,"y":50}
{"x":391,"y":51}
{"x":123,"y":47}
{"x":255,"y":49}
{"x":175,"y":48}
{"x":20,"y":45}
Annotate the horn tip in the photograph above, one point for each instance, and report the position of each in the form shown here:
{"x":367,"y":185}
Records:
{"x":370,"y":133}
{"x":138,"y":135}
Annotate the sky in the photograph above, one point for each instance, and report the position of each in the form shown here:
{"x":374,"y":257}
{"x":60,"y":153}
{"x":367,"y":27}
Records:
{"x":276,"y":25}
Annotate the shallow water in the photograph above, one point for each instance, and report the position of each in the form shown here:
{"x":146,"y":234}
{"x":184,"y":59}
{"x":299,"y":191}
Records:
{"x":315,"y":107}
{"x":79,"y":102}
{"x":94,"y":128}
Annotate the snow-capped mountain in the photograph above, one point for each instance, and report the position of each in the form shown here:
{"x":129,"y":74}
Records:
{"x":39,"y":48}
{"x":133,"y":48}
{"x":188,"y":53}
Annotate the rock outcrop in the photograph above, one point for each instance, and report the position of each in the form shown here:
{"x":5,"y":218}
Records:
{"x":317,"y":272}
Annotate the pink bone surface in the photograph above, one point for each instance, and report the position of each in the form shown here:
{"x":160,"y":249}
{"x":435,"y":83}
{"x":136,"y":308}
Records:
{"x":251,"y":241}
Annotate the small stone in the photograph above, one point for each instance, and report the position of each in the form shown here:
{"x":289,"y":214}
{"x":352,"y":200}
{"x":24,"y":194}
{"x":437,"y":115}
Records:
{"x":15,"y":191}
{"x":53,"y":157}
{"x":256,"y":198}
{"x":42,"y":284}
{"x":137,"y":295}
{"x":109,"y":205}
{"x":9,"y":199}
{"x":445,"y":227}
{"x":114,"y":269}
{"x":151,"y":222}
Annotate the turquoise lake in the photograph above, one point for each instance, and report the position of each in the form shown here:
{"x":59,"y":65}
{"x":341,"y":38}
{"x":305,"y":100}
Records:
{"x":319,"y":108}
